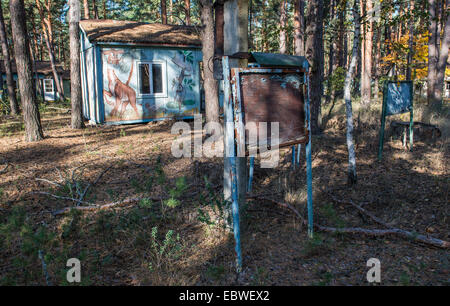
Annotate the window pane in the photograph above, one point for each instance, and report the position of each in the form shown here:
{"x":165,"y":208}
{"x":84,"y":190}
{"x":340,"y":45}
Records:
{"x":157,"y":78}
{"x":145,"y":78}
{"x":48,"y":85}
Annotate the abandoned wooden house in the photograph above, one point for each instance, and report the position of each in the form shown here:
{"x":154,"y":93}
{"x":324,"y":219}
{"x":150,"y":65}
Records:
{"x":138,"y":72}
{"x":45,"y":87}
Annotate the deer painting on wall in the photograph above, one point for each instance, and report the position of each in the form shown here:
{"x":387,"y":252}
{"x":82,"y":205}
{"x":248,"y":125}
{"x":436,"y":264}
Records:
{"x":184,"y":60}
{"x":120,"y":93}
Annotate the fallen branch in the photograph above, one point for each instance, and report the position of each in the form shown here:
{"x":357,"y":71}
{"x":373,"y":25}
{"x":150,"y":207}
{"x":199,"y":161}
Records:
{"x":104,"y":206}
{"x":61,"y":197}
{"x":383,"y":232}
{"x":371,"y":232}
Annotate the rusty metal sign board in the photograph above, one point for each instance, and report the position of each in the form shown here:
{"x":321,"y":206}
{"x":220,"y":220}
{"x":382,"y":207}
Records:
{"x":272,"y":97}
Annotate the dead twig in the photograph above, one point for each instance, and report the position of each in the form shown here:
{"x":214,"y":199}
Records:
{"x":95,"y":182}
{"x":48,"y":181}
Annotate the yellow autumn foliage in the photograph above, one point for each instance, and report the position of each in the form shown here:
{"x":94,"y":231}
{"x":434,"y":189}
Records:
{"x":399,"y":53}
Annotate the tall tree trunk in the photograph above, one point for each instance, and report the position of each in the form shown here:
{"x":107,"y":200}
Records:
{"x":330,"y":93}
{"x":443,"y":57}
{"x":170,"y":11}
{"x":104,"y":9}
{"x":163,"y":12}
{"x":187,"y":9}
{"x":87,"y":14}
{"x":299,"y":27}
{"x":366,"y":55}
{"x":75,"y":74}
{"x":283,"y":40}
{"x":433,"y":54}
{"x":210,"y":84}
{"x":377,"y":63}
{"x":314,"y":54}
{"x":411,"y":42}
{"x":352,"y":178}
{"x":7,"y":62}
{"x":95,"y":9}
{"x":219,"y":24}
{"x":340,"y":58}
{"x":31,"y":116}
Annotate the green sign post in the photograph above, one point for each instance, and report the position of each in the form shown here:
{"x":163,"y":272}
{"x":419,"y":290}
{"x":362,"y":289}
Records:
{"x":397,"y":99}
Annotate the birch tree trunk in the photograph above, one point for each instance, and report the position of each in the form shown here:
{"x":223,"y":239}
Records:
{"x":366,"y":56}
{"x":75,"y":74}
{"x":299,"y":28}
{"x":31,"y":116}
{"x":210,"y":84}
{"x":352,"y":179}
{"x":14,"y":105}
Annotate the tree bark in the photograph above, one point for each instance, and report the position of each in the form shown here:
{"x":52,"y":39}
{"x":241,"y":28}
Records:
{"x":87,"y":14}
{"x":95,"y":9}
{"x":31,"y":116}
{"x":432,"y":51}
{"x":75,"y":74}
{"x":299,"y":27}
{"x":314,"y":54}
{"x":366,"y":55}
{"x":219,"y":24}
{"x":283,"y":40}
{"x":443,"y":57}
{"x":411,"y":42}
{"x":8,"y":69}
{"x":210,"y":84}
{"x":352,"y":178}
{"x":163,"y":12}
{"x":187,"y":8}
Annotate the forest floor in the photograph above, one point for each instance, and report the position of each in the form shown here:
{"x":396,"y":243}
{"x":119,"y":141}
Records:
{"x":167,"y":226}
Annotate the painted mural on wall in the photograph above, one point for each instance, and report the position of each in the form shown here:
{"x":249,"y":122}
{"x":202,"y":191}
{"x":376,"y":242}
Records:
{"x":142,"y":84}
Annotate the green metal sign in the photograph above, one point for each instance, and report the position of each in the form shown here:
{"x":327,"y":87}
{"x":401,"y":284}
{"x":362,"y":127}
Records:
{"x":397,"y":99}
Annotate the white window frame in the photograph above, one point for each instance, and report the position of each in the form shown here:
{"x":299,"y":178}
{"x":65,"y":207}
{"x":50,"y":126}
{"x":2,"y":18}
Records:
{"x":163,"y":94}
{"x":45,"y":88}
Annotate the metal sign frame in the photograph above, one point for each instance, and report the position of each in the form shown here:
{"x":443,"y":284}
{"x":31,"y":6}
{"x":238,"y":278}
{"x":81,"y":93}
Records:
{"x":384,"y":114}
{"x":235,"y":138}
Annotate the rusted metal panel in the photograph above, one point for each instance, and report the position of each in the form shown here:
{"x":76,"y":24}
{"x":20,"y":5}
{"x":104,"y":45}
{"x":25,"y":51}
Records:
{"x":275,"y":96}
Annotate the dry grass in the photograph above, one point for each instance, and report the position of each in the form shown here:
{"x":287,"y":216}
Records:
{"x":408,"y":190}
